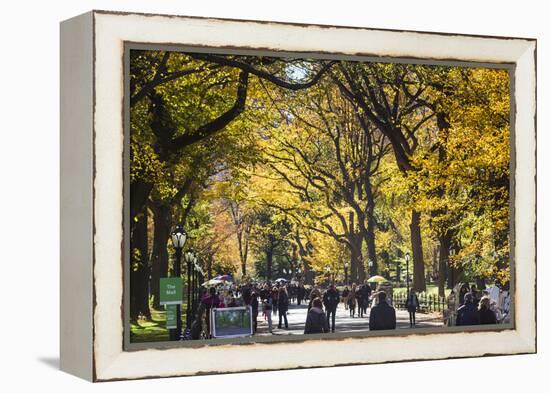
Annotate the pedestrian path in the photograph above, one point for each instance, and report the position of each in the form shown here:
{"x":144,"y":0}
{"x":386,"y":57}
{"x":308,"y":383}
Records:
{"x":344,"y":323}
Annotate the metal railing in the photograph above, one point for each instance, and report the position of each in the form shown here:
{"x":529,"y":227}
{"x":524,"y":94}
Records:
{"x":427,"y":302}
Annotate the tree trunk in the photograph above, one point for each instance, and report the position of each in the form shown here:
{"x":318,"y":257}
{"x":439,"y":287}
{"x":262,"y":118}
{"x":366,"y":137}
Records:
{"x":444,"y":247}
{"x":209,"y":267}
{"x":355,"y":240}
{"x":480,"y":282}
{"x":419,"y":279}
{"x":453,"y":274}
{"x":357,"y":264}
{"x":361,"y":277}
{"x":242,"y":238}
{"x":371,"y":223}
{"x":139,"y":271}
{"x":159,"y":258}
{"x":139,"y":193}
{"x":269,"y":263}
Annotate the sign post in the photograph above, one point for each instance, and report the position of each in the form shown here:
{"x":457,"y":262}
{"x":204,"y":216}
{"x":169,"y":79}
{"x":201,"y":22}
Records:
{"x":171,"y":316}
{"x":171,"y":295}
{"x":171,"y":290}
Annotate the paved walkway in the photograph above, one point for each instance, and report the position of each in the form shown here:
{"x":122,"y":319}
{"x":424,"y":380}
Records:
{"x":344,"y":323}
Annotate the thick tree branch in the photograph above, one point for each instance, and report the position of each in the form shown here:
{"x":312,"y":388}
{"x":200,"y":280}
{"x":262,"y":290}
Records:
{"x":232,"y":62}
{"x":218,"y":123}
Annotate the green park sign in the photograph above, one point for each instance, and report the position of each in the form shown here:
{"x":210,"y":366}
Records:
{"x":171,"y":290}
{"x":171,"y":316}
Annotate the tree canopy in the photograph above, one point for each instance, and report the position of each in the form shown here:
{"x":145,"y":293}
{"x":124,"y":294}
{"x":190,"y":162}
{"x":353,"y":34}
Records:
{"x":296,"y":167}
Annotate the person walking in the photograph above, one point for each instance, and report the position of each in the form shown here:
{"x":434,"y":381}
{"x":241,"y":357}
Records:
{"x":345,"y":294}
{"x":316,"y":320}
{"x":247,"y":295}
{"x":208,"y":302}
{"x":254,"y":304}
{"x":359,"y":301}
{"x":315,"y":292}
{"x":282,"y":305}
{"x":464,"y":289}
{"x":476,"y":295}
{"x":267,"y":307}
{"x":467,"y":314}
{"x":301,"y":293}
{"x":382,"y":316}
{"x":352,"y":301}
{"x":366,"y":291}
{"x":331,"y":298}
{"x":486,"y":315}
{"x":275,"y":298}
{"x":411,"y":304}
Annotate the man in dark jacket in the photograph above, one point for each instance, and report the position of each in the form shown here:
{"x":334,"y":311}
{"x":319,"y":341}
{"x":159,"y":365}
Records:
{"x":467,"y":314}
{"x":331,"y":298}
{"x":365,"y":296}
{"x":282,"y":306}
{"x":316,"y":321}
{"x":382,"y":316}
{"x":254,"y":304}
{"x":247,"y":295}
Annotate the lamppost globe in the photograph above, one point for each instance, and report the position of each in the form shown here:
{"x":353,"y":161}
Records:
{"x":407,"y":257}
{"x":189,"y":255}
{"x":179,"y":237}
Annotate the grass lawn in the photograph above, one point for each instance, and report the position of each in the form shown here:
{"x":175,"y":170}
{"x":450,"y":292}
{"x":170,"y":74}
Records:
{"x":154,"y":330}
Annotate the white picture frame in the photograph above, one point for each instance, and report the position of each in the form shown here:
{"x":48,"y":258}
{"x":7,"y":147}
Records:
{"x":92,"y":194}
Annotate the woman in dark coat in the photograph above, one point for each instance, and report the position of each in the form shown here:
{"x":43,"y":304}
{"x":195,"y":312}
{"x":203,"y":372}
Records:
{"x":464,"y":289}
{"x":486,"y":315}
{"x":467,"y":314}
{"x":412,"y":304}
{"x":316,"y":321}
{"x":282,"y":306}
{"x":254,"y":305}
{"x":345,"y":294}
{"x":352,"y":301}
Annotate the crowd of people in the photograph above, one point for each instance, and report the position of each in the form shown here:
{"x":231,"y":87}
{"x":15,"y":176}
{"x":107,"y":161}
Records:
{"x":479,"y":307}
{"x":321,"y":316}
{"x":271,"y":302}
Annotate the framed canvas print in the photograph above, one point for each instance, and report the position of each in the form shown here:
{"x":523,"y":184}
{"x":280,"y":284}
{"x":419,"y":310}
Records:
{"x":246,"y":195}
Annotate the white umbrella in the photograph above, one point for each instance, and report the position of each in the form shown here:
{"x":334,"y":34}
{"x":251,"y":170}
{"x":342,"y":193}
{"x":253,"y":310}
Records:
{"x":213,"y":282}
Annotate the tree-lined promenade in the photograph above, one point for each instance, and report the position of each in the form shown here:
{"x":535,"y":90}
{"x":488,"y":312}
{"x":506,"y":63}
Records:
{"x":315,"y":170}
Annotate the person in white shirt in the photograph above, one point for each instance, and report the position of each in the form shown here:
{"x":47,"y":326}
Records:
{"x":494,"y":292}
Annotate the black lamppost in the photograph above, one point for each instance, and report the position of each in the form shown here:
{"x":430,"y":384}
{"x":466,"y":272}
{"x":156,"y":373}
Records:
{"x":190,"y":259}
{"x":197,"y":280}
{"x":179,"y":237}
{"x":407,"y":259}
